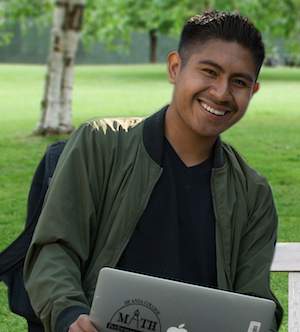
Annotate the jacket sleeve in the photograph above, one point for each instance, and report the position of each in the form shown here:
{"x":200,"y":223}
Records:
{"x":257,"y":246}
{"x":60,"y":247}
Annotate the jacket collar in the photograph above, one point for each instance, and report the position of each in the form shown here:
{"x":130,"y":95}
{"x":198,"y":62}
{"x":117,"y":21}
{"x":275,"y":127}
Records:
{"x":153,"y":136}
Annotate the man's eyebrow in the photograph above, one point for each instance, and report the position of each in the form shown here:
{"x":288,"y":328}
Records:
{"x":211,"y":63}
{"x":214,"y":64}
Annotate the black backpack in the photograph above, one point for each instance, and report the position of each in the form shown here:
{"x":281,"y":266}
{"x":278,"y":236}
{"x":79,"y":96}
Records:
{"x":12,"y":258}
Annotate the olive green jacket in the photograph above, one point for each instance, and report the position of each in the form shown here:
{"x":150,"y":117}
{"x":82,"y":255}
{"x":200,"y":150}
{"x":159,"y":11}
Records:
{"x":100,"y":189}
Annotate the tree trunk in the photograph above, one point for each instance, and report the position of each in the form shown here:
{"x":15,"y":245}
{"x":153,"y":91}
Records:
{"x":57,"y":99}
{"x":153,"y":46}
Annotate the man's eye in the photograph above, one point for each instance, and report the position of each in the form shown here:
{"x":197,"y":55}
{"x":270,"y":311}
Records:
{"x":240,"y":82}
{"x":209,"y":71}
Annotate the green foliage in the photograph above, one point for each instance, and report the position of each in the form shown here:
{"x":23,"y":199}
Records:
{"x":276,"y":18}
{"x":268,"y":137}
{"x":27,"y":8}
{"x":24,"y":11}
{"x":113,"y":22}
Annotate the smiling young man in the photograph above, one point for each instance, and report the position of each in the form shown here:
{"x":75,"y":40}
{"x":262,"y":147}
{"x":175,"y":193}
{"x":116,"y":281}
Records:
{"x":214,"y":83}
{"x":163,"y":195}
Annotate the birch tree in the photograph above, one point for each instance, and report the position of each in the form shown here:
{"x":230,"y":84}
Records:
{"x":57,"y":98}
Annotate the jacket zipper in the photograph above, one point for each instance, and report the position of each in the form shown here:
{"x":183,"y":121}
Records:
{"x":219,"y":233}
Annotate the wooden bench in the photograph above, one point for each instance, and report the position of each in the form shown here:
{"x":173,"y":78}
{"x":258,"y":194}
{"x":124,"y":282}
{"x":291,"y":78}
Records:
{"x":287,"y":259}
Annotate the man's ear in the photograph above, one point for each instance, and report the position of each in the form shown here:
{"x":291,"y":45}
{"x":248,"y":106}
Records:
{"x":174,"y":63}
{"x":255,"y":89}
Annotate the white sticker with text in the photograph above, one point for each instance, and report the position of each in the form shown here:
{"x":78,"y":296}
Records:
{"x":254,"y":327}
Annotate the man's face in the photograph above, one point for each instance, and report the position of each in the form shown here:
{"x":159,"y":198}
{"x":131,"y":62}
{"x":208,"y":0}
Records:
{"x":212,"y":90}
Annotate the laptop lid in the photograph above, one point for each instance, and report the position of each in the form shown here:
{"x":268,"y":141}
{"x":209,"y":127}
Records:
{"x":131,"y":302}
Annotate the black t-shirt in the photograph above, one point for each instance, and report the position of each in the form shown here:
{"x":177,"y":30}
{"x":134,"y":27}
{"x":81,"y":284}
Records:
{"x":175,"y":237}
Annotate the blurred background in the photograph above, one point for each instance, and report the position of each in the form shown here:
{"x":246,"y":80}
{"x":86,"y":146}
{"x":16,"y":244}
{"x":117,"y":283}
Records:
{"x":139,"y":31}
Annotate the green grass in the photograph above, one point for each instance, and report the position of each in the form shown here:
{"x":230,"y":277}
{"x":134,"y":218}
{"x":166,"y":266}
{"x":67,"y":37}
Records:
{"x":268,"y":137}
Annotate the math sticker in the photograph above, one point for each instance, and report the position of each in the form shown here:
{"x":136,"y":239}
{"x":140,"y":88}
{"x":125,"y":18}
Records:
{"x":254,"y":327}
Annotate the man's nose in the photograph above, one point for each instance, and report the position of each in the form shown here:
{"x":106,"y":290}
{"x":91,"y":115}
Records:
{"x":221,"y":91}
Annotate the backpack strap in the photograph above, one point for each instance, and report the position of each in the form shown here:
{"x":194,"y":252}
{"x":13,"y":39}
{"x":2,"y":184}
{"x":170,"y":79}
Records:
{"x":13,"y":256}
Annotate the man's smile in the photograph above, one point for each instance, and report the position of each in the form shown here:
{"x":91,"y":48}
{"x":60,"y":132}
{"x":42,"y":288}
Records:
{"x":212,"y":110}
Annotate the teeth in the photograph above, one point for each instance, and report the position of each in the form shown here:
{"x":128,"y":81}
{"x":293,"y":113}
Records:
{"x":213,"y":111}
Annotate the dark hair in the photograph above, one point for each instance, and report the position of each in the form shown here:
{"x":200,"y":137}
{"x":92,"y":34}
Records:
{"x":230,"y":27}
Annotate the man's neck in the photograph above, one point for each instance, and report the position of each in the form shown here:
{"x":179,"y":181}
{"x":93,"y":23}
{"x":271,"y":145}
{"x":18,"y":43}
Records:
{"x":191,"y":152}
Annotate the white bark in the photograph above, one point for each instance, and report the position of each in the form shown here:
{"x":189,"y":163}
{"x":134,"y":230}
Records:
{"x":57,"y":97}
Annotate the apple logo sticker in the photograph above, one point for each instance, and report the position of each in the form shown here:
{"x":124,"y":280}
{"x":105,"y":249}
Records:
{"x":180,"y":328}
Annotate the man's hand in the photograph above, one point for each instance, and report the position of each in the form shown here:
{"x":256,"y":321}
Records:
{"x":82,"y":324}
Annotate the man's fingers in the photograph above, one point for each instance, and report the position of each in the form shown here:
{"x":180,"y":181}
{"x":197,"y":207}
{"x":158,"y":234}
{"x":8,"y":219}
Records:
{"x":82,"y":324}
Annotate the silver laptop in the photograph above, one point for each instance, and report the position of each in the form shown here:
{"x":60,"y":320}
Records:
{"x":131,"y":302}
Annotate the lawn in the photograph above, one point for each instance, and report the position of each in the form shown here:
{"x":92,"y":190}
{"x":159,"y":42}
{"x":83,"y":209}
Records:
{"x":268,"y":137}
